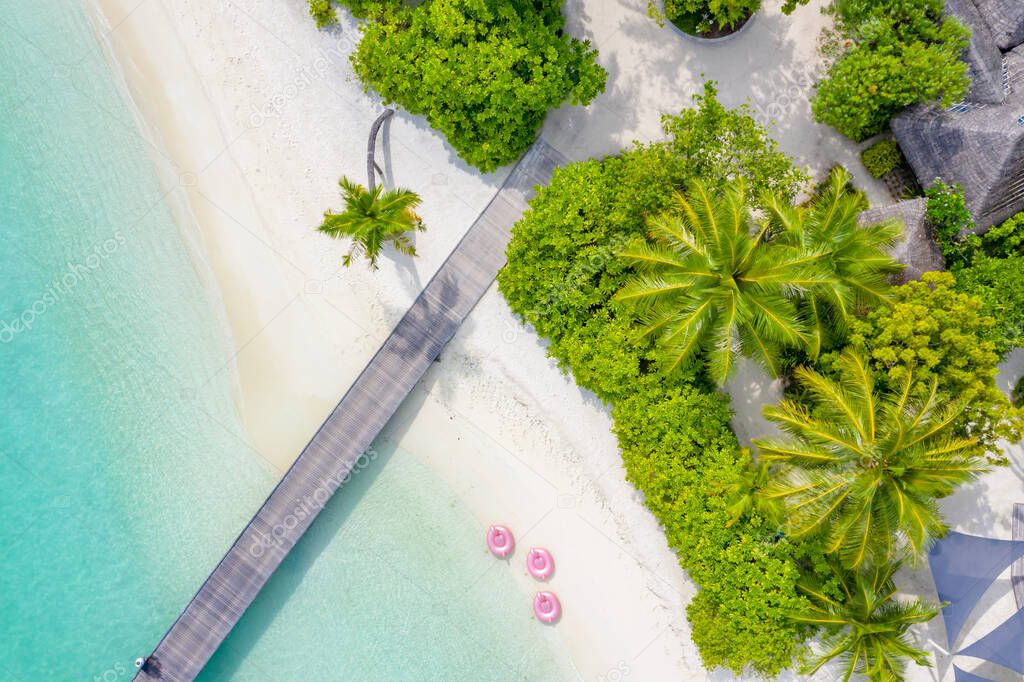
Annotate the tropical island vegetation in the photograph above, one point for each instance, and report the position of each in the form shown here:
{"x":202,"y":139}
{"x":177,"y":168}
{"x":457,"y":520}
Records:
{"x":483,"y":72}
{"x":710,"y":18}
{"x":650,"y":273}
{"x":886,"y":55}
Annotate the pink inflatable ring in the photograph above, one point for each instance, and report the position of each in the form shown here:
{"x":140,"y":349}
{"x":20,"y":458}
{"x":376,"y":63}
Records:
{"x":546,"y":607}
{"x":500,"y":541}
{"x":540,"y":563}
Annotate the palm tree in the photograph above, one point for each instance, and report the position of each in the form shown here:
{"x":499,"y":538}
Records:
{"x":866,"y":629}
{"x":865,"y":469}
{"x":859,"y":256}
{"x":744,"y":495}
{"x":372,"y":219}
{"x":710,"y":284}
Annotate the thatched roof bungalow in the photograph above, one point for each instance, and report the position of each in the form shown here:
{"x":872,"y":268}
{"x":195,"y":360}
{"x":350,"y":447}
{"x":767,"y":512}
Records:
{"x":1006,"y":20}
{"x":917,"y":250}
{"x":980,"y":147}
{"x":984,"y":60}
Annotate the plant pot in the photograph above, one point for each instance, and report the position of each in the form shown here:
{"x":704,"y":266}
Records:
{"x":719,"y":38}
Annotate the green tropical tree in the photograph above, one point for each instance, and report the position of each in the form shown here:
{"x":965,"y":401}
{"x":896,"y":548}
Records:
{"x":866,"y":629}
{"x":864,"y":468}
{"x":372,"y":219}
{"x":744,"y":495}
{"x":709,"y":284}
{"x":859,"y":256}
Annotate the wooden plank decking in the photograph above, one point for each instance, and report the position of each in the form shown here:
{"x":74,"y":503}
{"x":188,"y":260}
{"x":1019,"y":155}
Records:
{"x":349,"y":430}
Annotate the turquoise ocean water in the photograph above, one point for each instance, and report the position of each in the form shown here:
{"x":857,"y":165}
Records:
{"x":124,"y":471}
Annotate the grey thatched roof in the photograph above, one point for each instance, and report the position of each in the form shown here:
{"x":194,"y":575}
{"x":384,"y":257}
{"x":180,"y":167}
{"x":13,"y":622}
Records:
{"x":984,"y":60}
{"x":1006,"y":19}
{"x":917,"y":250}
{"x":980,"y":147}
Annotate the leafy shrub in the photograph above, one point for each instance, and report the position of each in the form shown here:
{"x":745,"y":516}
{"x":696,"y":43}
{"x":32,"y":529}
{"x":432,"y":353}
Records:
{"x":999,"y":284}
{"x":322,"y":13}
{"x":949,"y":219}
{"x":882,"y":158}
{"x":1006,"y":240}
{"x":562,"y":266}
{"x":679,"y":451}
{"x":900,"y":52}
{"x":562,"y":260}
{"x":322,"y":10}
{"x":1017,"y":396}
{"x":935,"y":331}
{"x":717,"y":144}
{"x":676,"y":443}
{"x":723,"y":13}
{"x":483,"y":72}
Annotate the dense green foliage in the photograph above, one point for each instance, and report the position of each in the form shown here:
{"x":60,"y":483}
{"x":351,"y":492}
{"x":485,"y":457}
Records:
{"x":1005,"y":240}
{"x":322,"y":13}
{"x":866,"y":628}
{"x":721,"y":511}
{"x":936,"y":333}
{"x":679,"y":451}
{"x":676,"y":442}
{"x":708,"y":286}
{"x":989,"y":267}
{"x":716,"y":144}
{"x":948,"y":217}
{"x":863,"y":467}
{"x":563,"y":259}
{"x":483,"y":72}
{"x":882,"y":158}
{"x":1018,"y":393}
{"x":896,"y":53}
{"x":857,"y":257}
{"x":699,"y":17}
{"x":714,"y":13}
{"x":372,"y":219}
{"x":999,"y":284}
{"x":323,"y":10}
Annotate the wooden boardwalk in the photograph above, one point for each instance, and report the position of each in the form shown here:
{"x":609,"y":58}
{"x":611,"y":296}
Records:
{"x":348,"y":431}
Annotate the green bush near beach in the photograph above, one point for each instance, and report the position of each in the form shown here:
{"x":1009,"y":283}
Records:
{"x":935,"y":332}
{"x":323,"y":10}
{"x":483,"y":72}
{"x":765,"y":586}
{"x":882,"y":158}
{"x":888,"y":55}
{"x":677,"y":445}
{"x":680,"y":452}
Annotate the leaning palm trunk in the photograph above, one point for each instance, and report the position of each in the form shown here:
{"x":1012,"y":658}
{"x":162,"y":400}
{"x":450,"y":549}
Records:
{"x":371,"y":148}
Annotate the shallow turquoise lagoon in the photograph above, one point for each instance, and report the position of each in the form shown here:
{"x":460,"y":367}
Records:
{"x":124,"y":471}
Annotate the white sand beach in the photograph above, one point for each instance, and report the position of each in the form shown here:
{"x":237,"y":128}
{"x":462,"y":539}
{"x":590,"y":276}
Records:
{"x":255,"y":115}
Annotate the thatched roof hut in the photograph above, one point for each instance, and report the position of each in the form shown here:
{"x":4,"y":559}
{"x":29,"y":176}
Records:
{"x":917,"y":250}
{"x":977,"y":146}
{"x":984,"y":60}
{"x":1006,"y":19}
